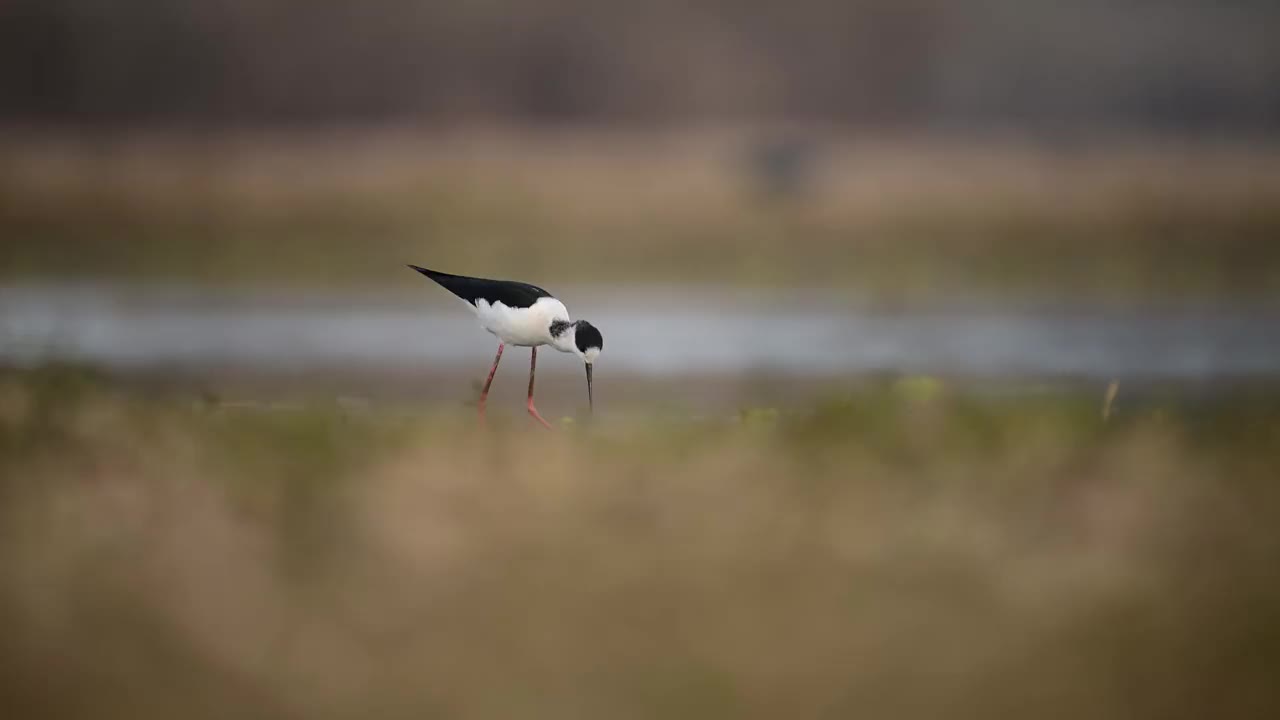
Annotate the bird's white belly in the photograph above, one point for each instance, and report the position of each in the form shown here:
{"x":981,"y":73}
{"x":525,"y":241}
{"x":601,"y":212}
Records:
{"x":521,"y":326}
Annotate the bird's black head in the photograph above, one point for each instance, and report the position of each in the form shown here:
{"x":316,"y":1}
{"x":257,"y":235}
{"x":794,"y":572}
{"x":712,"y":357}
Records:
{"x":589,"y":342}
{"x":588,"y":338}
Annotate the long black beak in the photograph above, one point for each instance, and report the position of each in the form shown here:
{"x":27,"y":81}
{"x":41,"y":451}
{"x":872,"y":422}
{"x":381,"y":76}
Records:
{"x":590,"y":401}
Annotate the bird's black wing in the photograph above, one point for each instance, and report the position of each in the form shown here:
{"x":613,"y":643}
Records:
{"x":510,"y":293}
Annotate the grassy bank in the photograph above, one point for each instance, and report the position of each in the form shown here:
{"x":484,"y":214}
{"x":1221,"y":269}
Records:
{"x":902,"y":217}
{"x":891,"y":553}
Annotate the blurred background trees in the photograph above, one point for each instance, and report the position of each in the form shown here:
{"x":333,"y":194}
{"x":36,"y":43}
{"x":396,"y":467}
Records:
{"x":1037,"y":66}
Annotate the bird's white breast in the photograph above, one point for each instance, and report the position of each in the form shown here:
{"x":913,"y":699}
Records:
{"x":521,"y":326}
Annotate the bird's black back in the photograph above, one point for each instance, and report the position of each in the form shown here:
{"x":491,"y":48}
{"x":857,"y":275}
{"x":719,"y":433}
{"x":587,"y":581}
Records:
{"x":508,"y":292}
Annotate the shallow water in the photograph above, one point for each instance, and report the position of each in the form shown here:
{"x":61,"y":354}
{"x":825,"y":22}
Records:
{"x":661,"y":331}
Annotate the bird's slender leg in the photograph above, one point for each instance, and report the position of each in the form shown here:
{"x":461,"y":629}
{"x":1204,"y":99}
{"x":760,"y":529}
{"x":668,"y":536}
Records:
{"x":533,"y":364}
{"x":484,"y":394}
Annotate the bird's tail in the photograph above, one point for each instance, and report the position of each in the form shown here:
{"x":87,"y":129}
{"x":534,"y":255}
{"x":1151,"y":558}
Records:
{"x":433,"y":274}
{"x":467,"y":288}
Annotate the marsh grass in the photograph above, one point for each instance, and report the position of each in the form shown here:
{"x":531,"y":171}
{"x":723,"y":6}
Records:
{"x":898,"y":217}
{"x":889,"y":553}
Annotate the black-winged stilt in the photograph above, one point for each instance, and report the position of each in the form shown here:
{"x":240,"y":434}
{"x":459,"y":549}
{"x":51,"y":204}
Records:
{"x":524,"y":315}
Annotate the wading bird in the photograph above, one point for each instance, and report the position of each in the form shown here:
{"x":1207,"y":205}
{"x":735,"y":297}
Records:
{"x":524,"y":315}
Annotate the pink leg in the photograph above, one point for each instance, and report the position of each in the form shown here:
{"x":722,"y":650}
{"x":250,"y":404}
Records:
{"x":484,"y":394}
{"x":533,"y":363}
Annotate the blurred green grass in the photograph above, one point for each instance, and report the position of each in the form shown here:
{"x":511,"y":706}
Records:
{"x":893,"y":218}
{"x":891,"y":552}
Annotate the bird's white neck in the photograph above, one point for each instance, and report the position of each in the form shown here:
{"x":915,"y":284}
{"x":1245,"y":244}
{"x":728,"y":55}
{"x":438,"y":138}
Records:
{"x":562,"y":334}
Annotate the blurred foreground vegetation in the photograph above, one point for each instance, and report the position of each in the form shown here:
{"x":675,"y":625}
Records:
{"x":904,"y":216}
{"x":905,"y":551}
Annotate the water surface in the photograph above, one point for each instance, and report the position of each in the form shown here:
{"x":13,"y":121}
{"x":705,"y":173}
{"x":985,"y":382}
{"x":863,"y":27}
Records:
{"x":660,"y":331}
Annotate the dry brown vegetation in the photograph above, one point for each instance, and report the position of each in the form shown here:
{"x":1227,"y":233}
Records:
{"x":882,"y":555}
{"x":895,"y":216}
